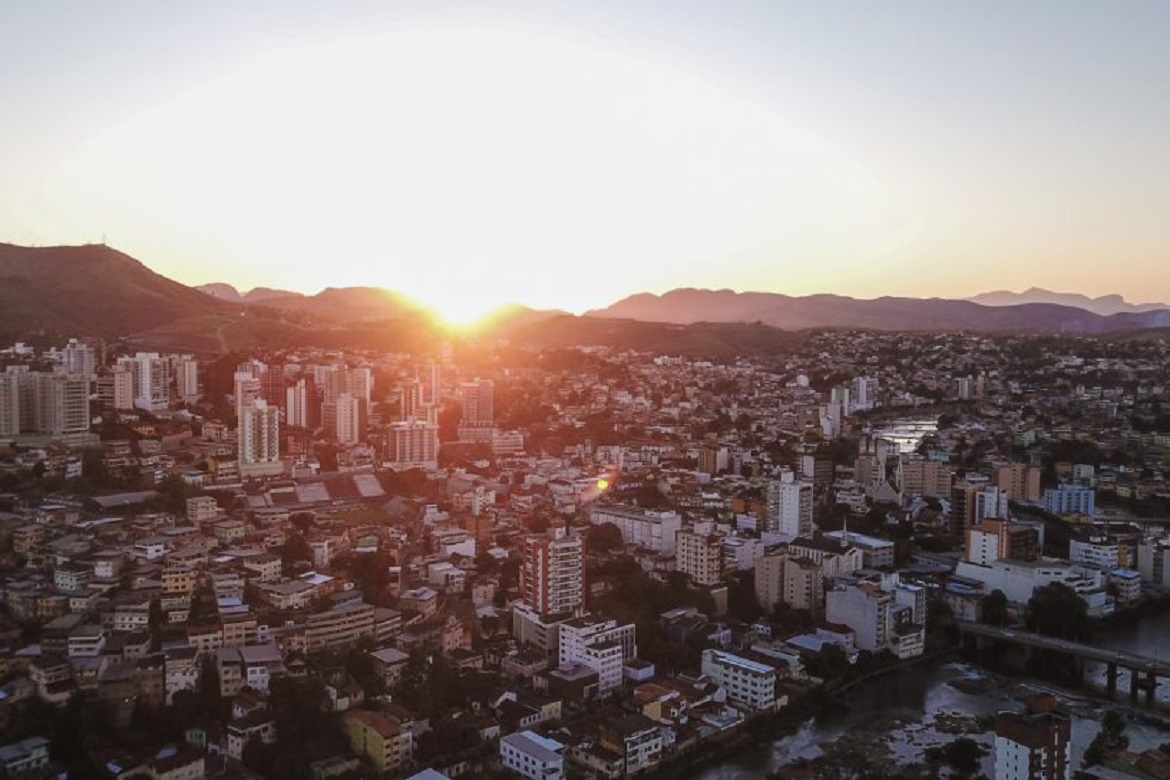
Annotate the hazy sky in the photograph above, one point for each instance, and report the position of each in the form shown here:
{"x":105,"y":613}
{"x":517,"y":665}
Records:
{"x":567,"y":154}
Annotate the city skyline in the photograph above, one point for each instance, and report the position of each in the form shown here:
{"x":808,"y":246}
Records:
{"x":565,"y":158}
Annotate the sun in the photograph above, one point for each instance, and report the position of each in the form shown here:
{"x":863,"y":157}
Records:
{"x":458,"y":309}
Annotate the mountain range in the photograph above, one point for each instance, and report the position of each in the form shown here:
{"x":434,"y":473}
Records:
{"x":1104,"y":305}
{"x":95,"y":289}
{"x":788,"y":312}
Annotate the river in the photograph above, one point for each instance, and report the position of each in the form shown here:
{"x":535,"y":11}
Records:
{"x":903,"y":711}
{"x":906,"y":432}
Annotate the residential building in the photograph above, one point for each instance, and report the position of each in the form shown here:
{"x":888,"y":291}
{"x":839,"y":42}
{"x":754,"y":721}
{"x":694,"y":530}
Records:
{"x":634,"y":737}
{"x":386,"y":744}
{"x":748,"y":683}
{"x":152,"y":380}
{"x":1020,"y":481}
{"x":1033,"y":747}
{"x":27,"y":755}
{"x":793,"y":580}
{"x":115,"y":389}
{"x":259,"y":440}
{"x":652,"y":530}
{"x":993,"y":540}
{"x":699,"y":555}
{"x":530,"y":755}
{"x":1069,"y":499}
{"x":602,"y":644}
{"x":789,"y":507}
{"x":1153,"y":556}
{"x":552,"y":574}
{"x":412,"y":443}
{"x":925,"y":477}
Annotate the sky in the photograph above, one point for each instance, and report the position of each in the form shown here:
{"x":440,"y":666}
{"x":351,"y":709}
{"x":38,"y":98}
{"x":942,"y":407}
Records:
{"x":565,"y":155}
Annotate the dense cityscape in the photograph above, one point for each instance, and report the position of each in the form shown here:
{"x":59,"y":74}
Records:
{"x":491,"y":561}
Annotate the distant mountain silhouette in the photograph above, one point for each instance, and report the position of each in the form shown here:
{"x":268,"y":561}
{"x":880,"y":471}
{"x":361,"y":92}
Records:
{"x":97,"y":290}
{"x":91,"y":289}
{"x":788,"y":312}
{"x":225,"y":292}
{"x":1104,"y":305}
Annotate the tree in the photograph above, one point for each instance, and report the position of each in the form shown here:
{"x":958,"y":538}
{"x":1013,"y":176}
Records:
{"x":294,"y":550}
{"x":302,"y":521}
{"x":1057,"y":610}
{"x":995,"y":608}
{"x":537,"y":524}
{"x":742,"y":602}
{"x":963,"y":754}
{"x":829,"y":663}
{"x":604,"y":538}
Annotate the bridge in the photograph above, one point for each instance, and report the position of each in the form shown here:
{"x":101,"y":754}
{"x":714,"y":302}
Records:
{"x":1144,"y":671}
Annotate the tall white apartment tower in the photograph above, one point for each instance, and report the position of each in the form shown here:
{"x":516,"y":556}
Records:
{"x":187,"y":379}
{"x":9,"y":404}
{"x":299,"y":399}
{"x":790,"y":507}
{"x":430,"y":375}
{"x":60,"y":404}
{"x":259,"y":440}
{"x":350,"y":420}
{"x":479,"y":402}
{"x":78,"y":359}
{"x":248,"y":389}
{"x":152,"y":380}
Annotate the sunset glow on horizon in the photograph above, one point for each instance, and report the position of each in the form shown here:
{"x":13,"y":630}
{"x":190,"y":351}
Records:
{"x":566,"y":160}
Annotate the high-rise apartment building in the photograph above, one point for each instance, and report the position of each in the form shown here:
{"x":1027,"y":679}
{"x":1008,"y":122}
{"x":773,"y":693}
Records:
{"x":552,"y":575}
{"x":1020,"y":481}
{"x":995,"y":540}
{"x":412,"y":403}
{"x":115,"y":389}
{"x":925,"y":477}
{"x":602,"y":644}
{"x":963,"y":495}
{"x":300,"y":404}
{"x":479,"y":402}
{"x":9,"y":404}
{"x":699,"y":555}
{"x":865,"y":393}
{"x":1033,"y":747}
{"x":259,"y":440}
{"x":413,"y":444}
{"x":247,"y":389}
{"x":991,"y":503}
{"x":349,"y":419}
{"x":78,"y":359}
{"x":430,"y":376}
{"x":186,"y":370}
{"x":152,"y":380}
{"x":794,"y":580}
{"x":789,"y":507}
{"x":60,"y":404}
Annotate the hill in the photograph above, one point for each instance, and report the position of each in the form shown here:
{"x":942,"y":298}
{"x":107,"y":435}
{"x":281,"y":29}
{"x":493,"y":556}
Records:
{"x":225,"y":292}
{"x":91,"y":289}
{"x":893,"y":314}
{"x":336,"y":304}
{"x":1105,"y":305}
{"x":705,"y":339}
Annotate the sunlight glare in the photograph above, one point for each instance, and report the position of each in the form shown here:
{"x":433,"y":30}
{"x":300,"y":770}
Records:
{"x":469,"y":168}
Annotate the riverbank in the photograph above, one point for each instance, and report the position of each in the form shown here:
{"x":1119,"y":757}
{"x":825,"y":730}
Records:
{"x":902,"y":723}
{"x":762,"y":729}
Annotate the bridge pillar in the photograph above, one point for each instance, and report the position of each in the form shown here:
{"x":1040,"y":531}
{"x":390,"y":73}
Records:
{"x":1111,"y":679}
{"x":1151,"y":687}
{"x":1134,"y":680}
